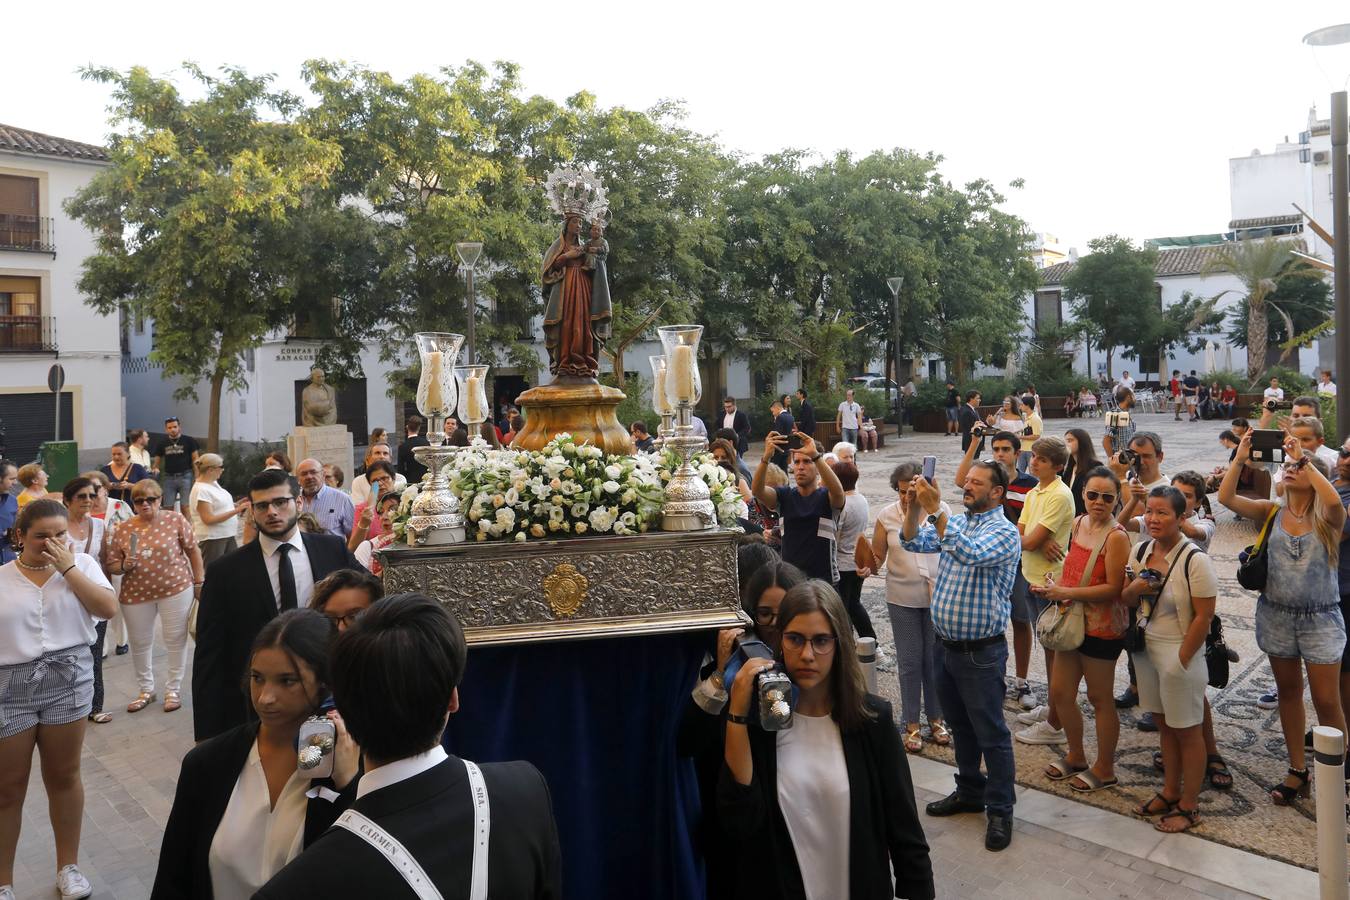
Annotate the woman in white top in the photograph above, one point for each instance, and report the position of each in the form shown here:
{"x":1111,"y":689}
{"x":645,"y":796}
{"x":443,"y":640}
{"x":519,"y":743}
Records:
{"x":1010,"y":417}
{"x":213,"y":510}
{"x":241,"y":811}
{"x":1175,"y":588}
{"x":909,"y":592}
{"x":850,"y":528}
{"x":84,"y":534}
{"x":50,"y":599}
{"x":826,"y":807}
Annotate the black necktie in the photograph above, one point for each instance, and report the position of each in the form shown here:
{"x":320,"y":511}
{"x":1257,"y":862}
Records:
{"x":286,"y":577}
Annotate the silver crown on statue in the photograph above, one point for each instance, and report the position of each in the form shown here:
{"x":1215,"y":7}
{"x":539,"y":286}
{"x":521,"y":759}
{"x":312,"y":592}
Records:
{"x":576,"y":192}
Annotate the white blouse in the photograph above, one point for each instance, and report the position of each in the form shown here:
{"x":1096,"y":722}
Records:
{"x":219,"y":501}
{"x":253,"y":840}
{"x":36,"y":620}
{"x":813,"y":793}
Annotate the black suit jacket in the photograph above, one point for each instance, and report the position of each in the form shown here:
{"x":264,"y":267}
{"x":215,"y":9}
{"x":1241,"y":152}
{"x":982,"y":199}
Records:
{"x":408,"y":466}
{"x":884,"y":826}
{"x":431,"y":814}
{"x":966,"y":419}
{"x":741,"y":425}
{"x":237,"y":601}
{"x":806,"y":419}
{"x":205,"y":784}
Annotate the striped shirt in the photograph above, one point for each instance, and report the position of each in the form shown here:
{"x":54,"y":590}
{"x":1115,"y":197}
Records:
{"x":979,"y":561}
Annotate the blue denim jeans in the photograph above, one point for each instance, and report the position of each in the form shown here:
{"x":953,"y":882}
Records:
{"x":175,"y":487}
{"x":849,"y":435}
{"x":971,"y":688}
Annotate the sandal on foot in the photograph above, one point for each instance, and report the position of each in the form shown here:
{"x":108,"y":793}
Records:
{"x":1147,"y":810}
{"x":100,"y":718}
{"x":141,"y":702}
{"x":913,"y":741}
{"x":1062,"y":771}
{"x":941,"y":736}
{"x":1090,"y":782}
{"x":1284,"y":795}
{"x":172,"y":701}
{"x":1216,"y":770}
{"x":1191,"y":817}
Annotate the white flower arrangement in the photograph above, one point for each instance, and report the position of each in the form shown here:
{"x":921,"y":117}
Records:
{"x":566,"y":489}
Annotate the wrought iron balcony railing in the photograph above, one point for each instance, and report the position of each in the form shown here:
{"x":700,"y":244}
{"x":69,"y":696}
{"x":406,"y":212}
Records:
{"x":24,"y":232}
{"x":27,"y":334}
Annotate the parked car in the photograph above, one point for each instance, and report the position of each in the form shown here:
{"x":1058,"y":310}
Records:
{"x":872,"y":383}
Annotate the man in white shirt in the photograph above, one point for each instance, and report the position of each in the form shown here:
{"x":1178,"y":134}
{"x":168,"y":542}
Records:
{"x":846,"y":419}
{"x":1325,"y":385}
{"x":1274,"y":392}
{"x":1125,"y":381}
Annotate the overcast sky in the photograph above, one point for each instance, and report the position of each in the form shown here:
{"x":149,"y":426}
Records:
{"x":1120,"y":118}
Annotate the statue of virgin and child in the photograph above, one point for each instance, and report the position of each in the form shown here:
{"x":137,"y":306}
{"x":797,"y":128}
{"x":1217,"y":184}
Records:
{"x":576,"y":279}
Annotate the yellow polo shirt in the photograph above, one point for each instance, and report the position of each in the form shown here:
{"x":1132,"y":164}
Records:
{"x":1052,"y":507}
{"x":1033,"y":422}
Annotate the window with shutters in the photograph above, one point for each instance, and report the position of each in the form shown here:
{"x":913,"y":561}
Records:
{"x":21,"y":226}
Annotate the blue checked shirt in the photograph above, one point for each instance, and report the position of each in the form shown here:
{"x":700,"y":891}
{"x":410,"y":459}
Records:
{"x":980,"y":555}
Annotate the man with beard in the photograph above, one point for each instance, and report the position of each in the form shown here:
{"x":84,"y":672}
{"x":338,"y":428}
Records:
{"x":980,"y":552}
{"x":245,"y":590}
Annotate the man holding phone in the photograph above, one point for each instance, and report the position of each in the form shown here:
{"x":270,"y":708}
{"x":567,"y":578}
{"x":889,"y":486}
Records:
{"x":809,"y":506}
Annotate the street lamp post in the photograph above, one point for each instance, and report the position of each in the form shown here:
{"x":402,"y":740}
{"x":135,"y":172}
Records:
{"x":1340,"y":221}
{"x":469,"y":252}
{"x":895,"y":284}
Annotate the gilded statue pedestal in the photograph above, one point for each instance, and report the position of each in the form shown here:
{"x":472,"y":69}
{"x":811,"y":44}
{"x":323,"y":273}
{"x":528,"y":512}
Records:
{"x":587,"y":411}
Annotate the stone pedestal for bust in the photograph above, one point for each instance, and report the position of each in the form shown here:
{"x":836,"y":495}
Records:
{"x":329,"y":444}
{"x":587,"y":411}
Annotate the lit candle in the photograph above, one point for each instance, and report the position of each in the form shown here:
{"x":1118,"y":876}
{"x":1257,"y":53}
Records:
{"x":682,"y":370}
{"x":660,"y":400}
{"x":435,"y":402}
{"x":473,"y":406}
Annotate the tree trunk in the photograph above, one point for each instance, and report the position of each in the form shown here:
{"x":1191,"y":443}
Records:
{"x":1257,"y":326}
{"x":1110,"y":362}
{"x":213,"y":416}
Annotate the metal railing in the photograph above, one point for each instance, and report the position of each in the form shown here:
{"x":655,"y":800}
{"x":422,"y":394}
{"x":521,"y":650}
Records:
{"x":27,"y":334}
{"x":25,"y":232}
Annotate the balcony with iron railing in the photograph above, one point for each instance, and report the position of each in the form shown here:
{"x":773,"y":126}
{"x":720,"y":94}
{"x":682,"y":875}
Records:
{"x":27,"y":334}
{"x":28,"y":233}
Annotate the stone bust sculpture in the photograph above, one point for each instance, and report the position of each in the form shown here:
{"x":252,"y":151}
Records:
{"x":318,"y":401}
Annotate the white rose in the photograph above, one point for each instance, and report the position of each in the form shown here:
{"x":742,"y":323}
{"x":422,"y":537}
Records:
{"x":512,"y":497}
{"x":611,"y":487}
{"x":520,"y":536}
{"x":506,"y":517}
{"x":613,"y":471}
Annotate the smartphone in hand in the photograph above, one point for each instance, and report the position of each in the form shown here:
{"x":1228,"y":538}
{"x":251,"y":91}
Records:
{"x":929,"y":468}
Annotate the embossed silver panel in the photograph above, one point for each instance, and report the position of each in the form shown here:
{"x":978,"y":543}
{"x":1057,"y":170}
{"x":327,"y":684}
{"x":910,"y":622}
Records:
{"x":640,"y":584}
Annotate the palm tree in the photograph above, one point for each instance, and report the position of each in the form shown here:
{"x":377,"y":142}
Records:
{"x":1260,"y":266}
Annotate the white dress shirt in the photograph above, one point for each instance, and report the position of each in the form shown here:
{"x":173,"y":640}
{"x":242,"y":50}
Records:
{"x":254,"y":840}
{"x":729,"y":420}
{"x":400,"y":770}
{"x":304,"y":574}
{"x":36,"y":620}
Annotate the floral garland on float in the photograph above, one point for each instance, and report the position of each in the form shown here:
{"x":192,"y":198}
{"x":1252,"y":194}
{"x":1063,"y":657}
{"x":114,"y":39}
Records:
{"x":568,"y":490}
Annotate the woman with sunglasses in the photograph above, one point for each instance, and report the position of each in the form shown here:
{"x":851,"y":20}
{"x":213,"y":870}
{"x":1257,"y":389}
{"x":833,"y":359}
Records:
{"x":1098,"y":538}
{"x":85,"y":534}
{"x":161,"y":567}
{"x":213,"y":510}
{"x":909,"y":594}
{"x":1298,"y":615}
{"x":826,"y":808}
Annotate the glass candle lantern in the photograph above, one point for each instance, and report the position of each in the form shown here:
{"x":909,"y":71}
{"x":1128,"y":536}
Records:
{"x":683,"y":385}
{"x":661,"y":402}
{"x":473,"y":403}
{"x":437,"y":393}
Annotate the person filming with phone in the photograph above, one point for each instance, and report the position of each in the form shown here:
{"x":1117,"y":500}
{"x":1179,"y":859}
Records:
{"x":809,"y":507}
{"x":243,"y":807}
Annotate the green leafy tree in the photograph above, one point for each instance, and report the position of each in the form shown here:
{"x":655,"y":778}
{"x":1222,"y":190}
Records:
{"x":1113,"y":295}
{"x":1261,"y":266}
{"x":1297,"y":312}
{"x":199,"y":215}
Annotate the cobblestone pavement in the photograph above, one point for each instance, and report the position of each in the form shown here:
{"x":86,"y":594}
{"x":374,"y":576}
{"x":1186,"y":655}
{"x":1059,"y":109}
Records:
{"x":131,"y":765}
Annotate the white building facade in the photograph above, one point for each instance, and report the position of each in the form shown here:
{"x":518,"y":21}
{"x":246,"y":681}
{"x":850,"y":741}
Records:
{"x":43,"y":316}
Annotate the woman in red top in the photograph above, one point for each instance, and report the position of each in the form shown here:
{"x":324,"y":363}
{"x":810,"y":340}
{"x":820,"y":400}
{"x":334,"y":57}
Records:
{"x":1105,"y":619}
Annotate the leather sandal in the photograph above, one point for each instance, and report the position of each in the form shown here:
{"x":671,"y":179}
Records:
{"x":1284,"y":795}
{"x":941,"y":736}
{"x":1148,"y":810}
{"x":172,"y":701}
{"x":913,"y":740}
{"x":100,"y":718}
{"x":1191,"y":817}
{"x":1216,"y":770}
{"x":141,"y":702}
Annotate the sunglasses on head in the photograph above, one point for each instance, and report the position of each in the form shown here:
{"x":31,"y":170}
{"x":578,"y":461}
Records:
{"x":996,"y":467}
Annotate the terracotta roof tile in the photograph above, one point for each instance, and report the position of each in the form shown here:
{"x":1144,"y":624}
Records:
{"x":21,"y":140}
{"x":1267,"y":221}
{"x":1172,"y":262}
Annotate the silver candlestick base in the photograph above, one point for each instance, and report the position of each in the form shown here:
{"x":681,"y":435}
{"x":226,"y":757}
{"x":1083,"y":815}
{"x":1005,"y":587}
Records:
{"x":665,"y":431}
{"x":436,"y":518}
{"x":688,"y":504}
